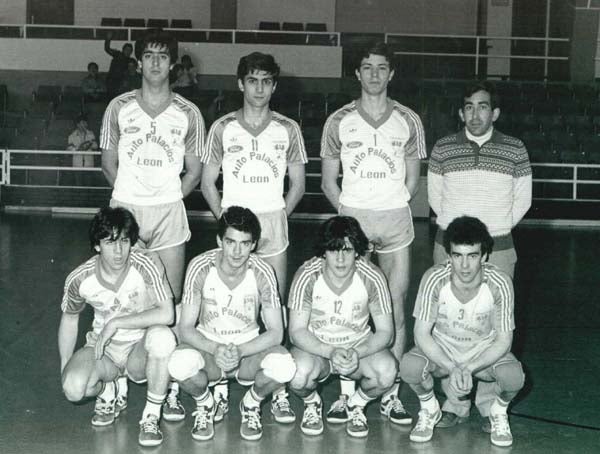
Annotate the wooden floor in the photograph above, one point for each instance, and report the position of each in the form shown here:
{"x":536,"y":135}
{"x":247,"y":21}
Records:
{"x":557,"y":338}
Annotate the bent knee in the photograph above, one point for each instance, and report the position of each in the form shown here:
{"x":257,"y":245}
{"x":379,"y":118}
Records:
{"x":185,"y":363}
{"x":412,"y":368}
{"x":510,"y":376}
{"x":160,"y":342}
{"x":74,"y":387}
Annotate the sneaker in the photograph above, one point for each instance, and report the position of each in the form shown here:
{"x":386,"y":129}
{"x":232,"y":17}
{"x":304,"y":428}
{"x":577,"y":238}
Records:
{"x":394,"y":410}
{"x":203,"y":423}
{"x":450,"y":419}
{"x":104,"y":412}
{"x":500,"y":434}
{"x":120,"y":404}
{"x":423,"y":430}
{"x":281,"y":410}
{"x":221,"y":408}
{"x":150,"y":434}
{"x":251,"y":427}
{"x":357,"y":423}
{"x":338,"y":412}
{"x":173,"y":409}
{"x":312,"y":419}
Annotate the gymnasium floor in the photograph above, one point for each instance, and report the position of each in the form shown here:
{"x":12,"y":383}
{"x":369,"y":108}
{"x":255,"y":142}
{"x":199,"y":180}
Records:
{"x":557,"y":338}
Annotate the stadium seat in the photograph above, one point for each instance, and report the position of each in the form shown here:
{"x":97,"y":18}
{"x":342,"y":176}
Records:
{"x":111,"y":22}
{"x":134,"y":22}
{"x":158,"y":23}
{"x":579,"y":124}
{"x":181,"y":23}
{"x":267,"y":25}
{"x":47,"y":93}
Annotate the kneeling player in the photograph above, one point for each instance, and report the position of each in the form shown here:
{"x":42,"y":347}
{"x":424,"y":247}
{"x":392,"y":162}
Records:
{"x":225,"y":291}
{"x":132,"y":306}
{"x":463,"y":330}
{"x":332,"y":298}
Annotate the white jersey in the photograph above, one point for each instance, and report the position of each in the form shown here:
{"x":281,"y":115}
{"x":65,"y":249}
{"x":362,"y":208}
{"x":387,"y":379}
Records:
{"x":373,"y":153}
{"x":139,"y":288}
{"x":464,"y":330}
{"x":340,"y":317}
{"x":151,"y":146}
{"x":254,"y":161}
{"x":229,"y":315}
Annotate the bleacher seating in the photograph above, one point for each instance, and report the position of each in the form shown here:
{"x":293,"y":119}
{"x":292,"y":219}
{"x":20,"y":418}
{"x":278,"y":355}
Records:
{"x":181,"y":23}
{"x":158,"y":23}
{"x":111,"y":22}
{"x":134,"y":22}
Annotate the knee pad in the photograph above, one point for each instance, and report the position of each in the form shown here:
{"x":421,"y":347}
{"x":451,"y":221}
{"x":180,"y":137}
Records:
{"x":160,"y":341}
{"x":280,"y":367}
{"x":185,"y":363}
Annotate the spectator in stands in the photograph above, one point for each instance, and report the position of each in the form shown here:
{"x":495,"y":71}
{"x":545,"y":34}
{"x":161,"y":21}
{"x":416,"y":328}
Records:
{"x":181,"y":83}
{"x":82,"y":139}
{"x":132,"y":79}
{"x":92,"y":85}
{"x":118,"y":65}
{"x":189,"y":71}
{"x":480,"y":172}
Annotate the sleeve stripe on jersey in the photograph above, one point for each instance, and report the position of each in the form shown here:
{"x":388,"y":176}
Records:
{"x":194,"y":268}
{"x":379,"y":283}
{"x":427,"y":296}
{"x":296,"y":128}
{"x":206,"y":153}
{"x":505,"y":293}
{"x":83,"y":269}
{"x":105,"y":129}
{"x":199,"y":141}
{"x":149,"y":266}
{"x":422,"y":153}
{"x":347,"y":108}
{"x":300,"y":283}
{"x":267,"y":271}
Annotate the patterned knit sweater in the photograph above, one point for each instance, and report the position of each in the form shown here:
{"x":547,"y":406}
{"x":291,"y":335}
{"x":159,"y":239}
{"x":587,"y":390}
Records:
{"x":491,"y":182}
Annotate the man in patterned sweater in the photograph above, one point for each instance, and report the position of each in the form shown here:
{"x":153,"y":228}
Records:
{"x":464,"y":330}
{"x":483,"y":173}
{"x":132,"y":305}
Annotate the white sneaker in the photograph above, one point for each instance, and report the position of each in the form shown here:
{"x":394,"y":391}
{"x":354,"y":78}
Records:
{"x":500,"y":430}
{"x":423,"y":430}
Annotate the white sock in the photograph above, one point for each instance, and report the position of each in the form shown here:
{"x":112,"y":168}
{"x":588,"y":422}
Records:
{"x":429,"y":402}
{"x":221,"y":389}
{"x":347,"y":387}
{"x":359,"y":399}
{"x":107,"y":393}
{"x":280,"y":393}
{"x":312,"y":398}
{"x":174,"y":388}
{"x":251,"y":399}
{"x":393,"y":391}
{"x":153,"y":404}
{"x":499,"y":407}
{"x":205,"y":400}
{"x":122,"y":386}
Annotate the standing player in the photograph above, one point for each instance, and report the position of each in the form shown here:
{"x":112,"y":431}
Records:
{"x":483,"y":173}
{"x":463,"y":330}
{"x":254,"y":146}
{"x":332,"y":299}
{"x":132,"y":306}
{"x":379,"y":144}
{"x":149,"y":136}
{"x":226,"y":290}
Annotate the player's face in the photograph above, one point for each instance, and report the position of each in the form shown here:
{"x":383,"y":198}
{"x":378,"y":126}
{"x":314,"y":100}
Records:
{"x":466,"y":260}
{"x":258,"y":87}
{"x":340,"y":263}
{"x":374,"y":74}
{"x":156,"y":63}
{"x":477,"y":113}
{"x":236,"y":246}
{"x":114,"y":253}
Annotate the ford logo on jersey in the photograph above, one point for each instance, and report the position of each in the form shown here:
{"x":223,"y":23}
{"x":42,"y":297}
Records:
{"x":131,"y":129}
{"x":235,"y":148}
{"x":354,"y":144}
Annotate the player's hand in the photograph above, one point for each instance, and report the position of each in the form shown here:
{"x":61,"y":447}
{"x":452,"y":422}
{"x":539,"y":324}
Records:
{"x":225,"y":358}
{"x":104,"y":338}
{"x":344,"y":362}
{"x":460,"y":383}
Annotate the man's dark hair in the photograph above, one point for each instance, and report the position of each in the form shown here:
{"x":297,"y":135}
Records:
{"x":257,"y":61}
{"x":92,"y":63}
{"x":187,"y":58}
{"x":111,"y":223}
{"x":241,"y":219}
{"x":482,"y":85}
{"x":334,"y":231}
{"x":160,"y":38}
{"x":125,"y":46}
{"x":79,"y":118}
{"x":376,"y":48}
{"x":468,"y":230}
